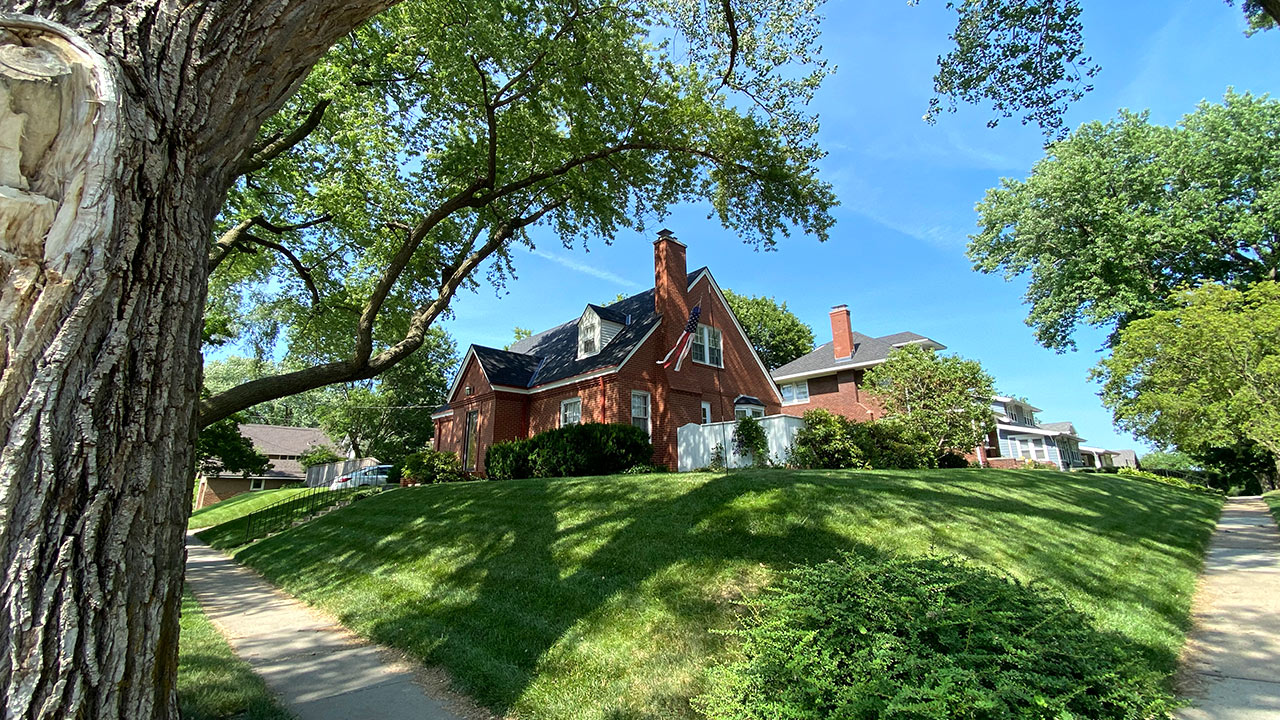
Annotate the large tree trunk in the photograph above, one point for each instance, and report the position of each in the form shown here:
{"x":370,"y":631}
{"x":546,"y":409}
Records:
{"x":119,"y":132}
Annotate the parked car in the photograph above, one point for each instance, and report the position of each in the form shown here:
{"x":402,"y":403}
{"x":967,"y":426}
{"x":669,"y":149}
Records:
{"x":375,"y":475}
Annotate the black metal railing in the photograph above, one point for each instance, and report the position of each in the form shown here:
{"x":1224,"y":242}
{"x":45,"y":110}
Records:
{"x":296,"y":508}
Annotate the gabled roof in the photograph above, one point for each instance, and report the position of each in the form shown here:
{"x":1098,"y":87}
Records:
{"x":866,"y":351}
{"x":552,"y":355}
{"x":1058,"y":426}
{"x":283,"y":439}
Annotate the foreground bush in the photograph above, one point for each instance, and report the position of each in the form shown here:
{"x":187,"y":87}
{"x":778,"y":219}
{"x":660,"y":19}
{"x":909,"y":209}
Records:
{"x":924,"y":638}
{"x":571,"y":451}
{"x":833,"y":442}
{"x":430,"y":466}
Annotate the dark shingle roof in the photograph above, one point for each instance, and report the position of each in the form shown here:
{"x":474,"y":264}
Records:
{"x":552,"y":355}
{"x":902,"y":338}
{"x":866,"y":349}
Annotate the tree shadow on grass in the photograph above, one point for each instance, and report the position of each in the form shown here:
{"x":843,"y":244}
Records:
{"x":518,"y":588}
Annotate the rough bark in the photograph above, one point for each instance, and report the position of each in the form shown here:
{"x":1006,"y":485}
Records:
{"x":121,"y":126}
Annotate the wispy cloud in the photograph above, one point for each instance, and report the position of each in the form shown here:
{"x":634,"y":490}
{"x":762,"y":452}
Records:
{"x":585,"y":269}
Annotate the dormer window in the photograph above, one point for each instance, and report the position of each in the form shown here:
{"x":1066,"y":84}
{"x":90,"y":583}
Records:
{"x":588,"y":335}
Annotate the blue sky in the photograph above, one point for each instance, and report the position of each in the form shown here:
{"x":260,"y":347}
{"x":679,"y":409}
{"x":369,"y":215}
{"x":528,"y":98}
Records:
{"x":907,"y":192}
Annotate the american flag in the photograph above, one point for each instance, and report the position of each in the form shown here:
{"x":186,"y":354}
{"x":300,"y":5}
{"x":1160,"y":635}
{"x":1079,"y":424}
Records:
{"x":680,"y":350}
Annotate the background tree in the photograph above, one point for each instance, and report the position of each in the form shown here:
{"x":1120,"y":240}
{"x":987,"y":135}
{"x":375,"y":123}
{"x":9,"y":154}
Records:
{"x":518,"y":333}
{"x":1205,"y":374}
{"x":301,"y":410}
{"x":775,"y":332}
{"x":1168,"y":460}
{"x":221,"y":448}
{"x":1027,"y":58}
{"x":1121,"y":214}
{"x":319,"y":455}
{"x":945,"y":398}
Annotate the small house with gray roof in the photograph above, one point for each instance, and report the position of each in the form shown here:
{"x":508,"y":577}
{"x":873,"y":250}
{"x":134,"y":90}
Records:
{"x":605,"y":366}
{"x":831,"y":376}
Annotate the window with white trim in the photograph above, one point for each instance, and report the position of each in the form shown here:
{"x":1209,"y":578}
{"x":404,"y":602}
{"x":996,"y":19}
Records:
{"x":795,"y":393}
{"x":588,"y":336}
{"x":706,"y":346}
{"x":570,"y":411}
{"x":640,"y":410}
{"x":257,"y":484}
{"x":706,"y":413}
{"x":742,"y":411}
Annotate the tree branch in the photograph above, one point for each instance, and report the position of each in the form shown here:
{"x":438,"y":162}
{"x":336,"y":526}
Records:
{"x":259,"y":156}
{"x":731,"y":22}
{"x":303,"y":271}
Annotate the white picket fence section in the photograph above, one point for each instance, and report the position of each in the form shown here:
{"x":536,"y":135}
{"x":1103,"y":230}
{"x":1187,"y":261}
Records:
{"x":695,"y":443}
{"x":318,"y":475}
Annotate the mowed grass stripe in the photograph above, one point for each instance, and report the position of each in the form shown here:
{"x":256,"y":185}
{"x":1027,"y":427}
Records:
{"x":595,"y":598}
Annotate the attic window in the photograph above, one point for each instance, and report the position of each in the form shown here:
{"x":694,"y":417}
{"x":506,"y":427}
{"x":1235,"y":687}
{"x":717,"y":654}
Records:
{"x":588,"y":336}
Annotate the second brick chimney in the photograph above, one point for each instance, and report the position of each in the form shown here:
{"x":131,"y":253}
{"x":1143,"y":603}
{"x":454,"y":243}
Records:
{"x":670,"y":279}
{"x":841,"y":332}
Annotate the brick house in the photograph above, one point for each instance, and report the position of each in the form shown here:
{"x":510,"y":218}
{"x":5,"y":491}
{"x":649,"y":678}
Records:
{"x":282,"y":445}
{"x":830,"y":377}
{"x":604,"y":367}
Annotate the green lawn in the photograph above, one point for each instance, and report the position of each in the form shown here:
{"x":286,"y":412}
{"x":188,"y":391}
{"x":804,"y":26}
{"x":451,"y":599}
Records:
{"x":1273,"y":502}
{"x":595,"y":597}
{"x":212,"y":682}
{"x":238,"y":506}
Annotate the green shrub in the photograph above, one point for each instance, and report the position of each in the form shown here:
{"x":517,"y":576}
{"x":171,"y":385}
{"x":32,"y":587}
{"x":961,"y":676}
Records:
{"x":571,"y":451}
{"x":952,"y":459}
{"x":718,"y":461}
{"x":923,"y":638}
{"x":826,"y":443}
{"x":749,"y":441}
{"x":645,"y":469}
{"x":318,"y":455}
{"x":888,"y":445}
{"x":508,"y":460}
{"x":430,"y":467}
{"x":829,"y":441}
{"x":1167,"y":480}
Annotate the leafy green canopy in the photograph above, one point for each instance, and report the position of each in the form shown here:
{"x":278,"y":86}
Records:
{"x":1204,"y":374}
{"x":1027,"y":58}
{"x":1121,"y":214}
{"x":944,"y":398}
{"x":775,"y":332}
{"x":427,"y":144}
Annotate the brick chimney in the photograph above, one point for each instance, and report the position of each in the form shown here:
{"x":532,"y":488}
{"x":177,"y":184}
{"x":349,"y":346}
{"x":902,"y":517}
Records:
{"x":841,"y":332}
{"x":670,"y":279}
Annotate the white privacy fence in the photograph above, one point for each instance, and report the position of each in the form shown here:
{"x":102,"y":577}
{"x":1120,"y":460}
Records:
{"x":318,"y":475}
{"x":696,"y":443}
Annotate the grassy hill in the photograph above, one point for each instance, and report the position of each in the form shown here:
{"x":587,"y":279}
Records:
{"x":239,"y":506}
{"x":596,"y":597}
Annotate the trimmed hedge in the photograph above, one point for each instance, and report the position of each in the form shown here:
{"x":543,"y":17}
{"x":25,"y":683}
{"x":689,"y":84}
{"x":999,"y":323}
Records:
{"x":571,"y":451}
{"x":922,"y":638}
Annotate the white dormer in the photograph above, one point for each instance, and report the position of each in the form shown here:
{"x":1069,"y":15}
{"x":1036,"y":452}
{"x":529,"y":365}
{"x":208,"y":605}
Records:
{"x":594,"y":333}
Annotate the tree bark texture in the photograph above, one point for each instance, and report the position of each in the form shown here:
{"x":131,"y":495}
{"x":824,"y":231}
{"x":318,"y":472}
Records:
{"x":121,"y":125}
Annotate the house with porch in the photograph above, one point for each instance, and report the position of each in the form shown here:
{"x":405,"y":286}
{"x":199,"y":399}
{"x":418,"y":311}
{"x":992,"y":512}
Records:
{"x":1019,"y":437}
{"x":606,"y":366}
{"x":830,"y":377}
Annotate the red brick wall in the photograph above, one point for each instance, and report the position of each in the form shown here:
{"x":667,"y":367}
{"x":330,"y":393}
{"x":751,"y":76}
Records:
{"x":841,"y":394}
{"x":219,"y":489}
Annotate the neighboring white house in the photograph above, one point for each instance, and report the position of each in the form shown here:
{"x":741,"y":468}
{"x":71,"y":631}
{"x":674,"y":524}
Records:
{"x":1019,"y":437}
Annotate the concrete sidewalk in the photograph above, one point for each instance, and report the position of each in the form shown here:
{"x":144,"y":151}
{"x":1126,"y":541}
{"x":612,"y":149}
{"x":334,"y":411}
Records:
{"x":1232,"y":661}
{"x":319,"y":670}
